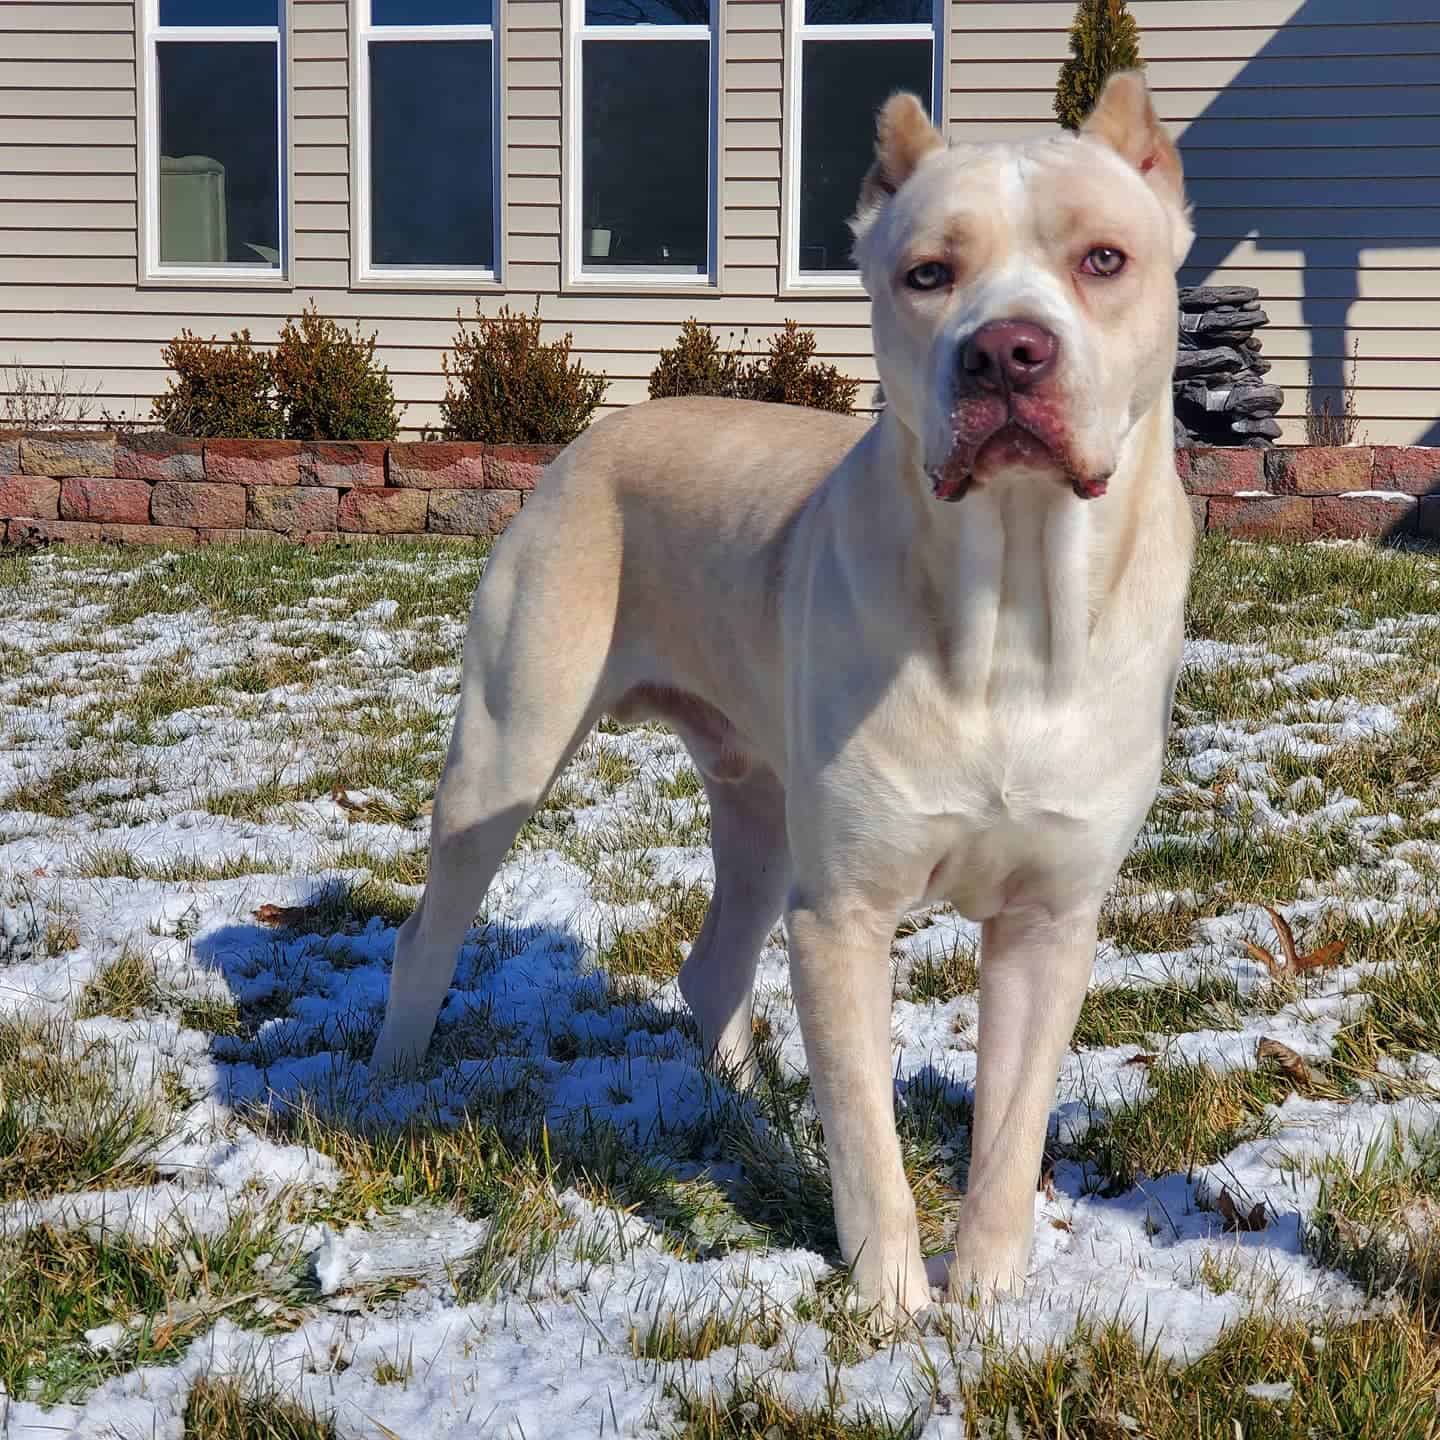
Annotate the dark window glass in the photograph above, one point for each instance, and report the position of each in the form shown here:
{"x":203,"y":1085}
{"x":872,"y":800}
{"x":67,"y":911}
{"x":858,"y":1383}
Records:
{"x":645,"y":125}
{"x":432,"y":161}
{"x":843,"y":84}
{"x":219,"y":154}
{"x":869,"y":12}
{"x":647,"y":12}
{"x":219,"y":12}
{"x":431,"y":12}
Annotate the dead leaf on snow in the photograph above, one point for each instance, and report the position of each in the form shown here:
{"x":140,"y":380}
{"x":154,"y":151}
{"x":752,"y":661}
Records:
{"x":1237,"y":1219}
{"x":1143,"y":1058}
{"x":1294,"y":1067}
{"x":1260,"y":953}
{"x":1046,"y":1182}
{"x":1322,"y":958}
{"x":1294,"y":963}
{"x":341,"y":796}
{"x":283,"y":915}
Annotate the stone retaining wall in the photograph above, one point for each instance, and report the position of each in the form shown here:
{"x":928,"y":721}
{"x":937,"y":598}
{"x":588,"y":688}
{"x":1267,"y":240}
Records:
{"x":155,"y":489}
{"x":1306,"y":492}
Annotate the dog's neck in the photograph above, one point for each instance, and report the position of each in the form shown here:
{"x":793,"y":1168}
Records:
{"x":1007,"y":584}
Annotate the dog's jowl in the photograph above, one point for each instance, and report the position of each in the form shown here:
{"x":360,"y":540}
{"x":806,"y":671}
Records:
{"x":926,"y":658}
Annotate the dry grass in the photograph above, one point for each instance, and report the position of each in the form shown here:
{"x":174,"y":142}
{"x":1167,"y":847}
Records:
{"x":221,"y":1410}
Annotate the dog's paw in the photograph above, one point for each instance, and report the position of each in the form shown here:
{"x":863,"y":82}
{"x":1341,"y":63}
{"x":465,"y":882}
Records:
{"x":896,"y":1290}
{"x":981,"y":1271}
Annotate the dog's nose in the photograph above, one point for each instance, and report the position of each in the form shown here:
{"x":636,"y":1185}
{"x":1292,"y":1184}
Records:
{"x":1009,"y":355}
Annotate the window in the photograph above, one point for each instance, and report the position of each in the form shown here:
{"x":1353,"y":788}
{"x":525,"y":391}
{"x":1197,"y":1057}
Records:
{"x":643,"y":123}
{"x":427,"y":135}
{"x":846,"y":58}
{"x":215,"y":138}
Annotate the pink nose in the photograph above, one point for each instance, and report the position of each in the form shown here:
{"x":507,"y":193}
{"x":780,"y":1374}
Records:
{"x":1009,"y":355}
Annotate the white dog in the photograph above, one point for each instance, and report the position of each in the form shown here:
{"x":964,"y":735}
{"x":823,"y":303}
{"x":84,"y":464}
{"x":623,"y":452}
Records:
{"x":892,"y":698}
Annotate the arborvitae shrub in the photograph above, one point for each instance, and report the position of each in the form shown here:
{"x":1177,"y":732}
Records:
{"x":219,"y":388}
{"x":1103,"y":39}
{"x":328,"y":385}
{"x":505,"y":385}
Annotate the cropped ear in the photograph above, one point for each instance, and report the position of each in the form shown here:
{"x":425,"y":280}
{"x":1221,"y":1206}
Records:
{"x":1124,"y":119}
{"x":904,"y":136}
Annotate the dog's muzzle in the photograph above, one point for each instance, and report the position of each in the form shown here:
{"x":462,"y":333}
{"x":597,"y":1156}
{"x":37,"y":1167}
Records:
{"x":1006,"y":415}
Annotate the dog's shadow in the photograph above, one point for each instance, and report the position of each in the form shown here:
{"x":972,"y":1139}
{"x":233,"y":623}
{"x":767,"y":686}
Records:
{"x":536,"y":1043}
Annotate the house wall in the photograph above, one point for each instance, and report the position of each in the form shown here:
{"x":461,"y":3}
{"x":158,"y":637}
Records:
{"x":1314,"y":168}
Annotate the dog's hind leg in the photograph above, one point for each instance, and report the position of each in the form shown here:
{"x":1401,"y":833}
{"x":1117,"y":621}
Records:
{"x":532,"y":687}
{"x":752,"y":876}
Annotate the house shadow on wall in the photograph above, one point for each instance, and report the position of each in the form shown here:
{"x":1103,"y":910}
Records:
{"x":1335,"y":151}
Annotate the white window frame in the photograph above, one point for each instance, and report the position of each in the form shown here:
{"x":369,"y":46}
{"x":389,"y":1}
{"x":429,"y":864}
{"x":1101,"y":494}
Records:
{"x":797,"y":35}
{"x":152,"y":34}
{"x":627,"y":278}
{"x":435,"y":277}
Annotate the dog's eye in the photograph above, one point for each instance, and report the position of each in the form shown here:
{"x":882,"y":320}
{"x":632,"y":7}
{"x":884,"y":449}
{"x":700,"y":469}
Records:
{"x":932,"y":275}
{"x":1103,"y":261}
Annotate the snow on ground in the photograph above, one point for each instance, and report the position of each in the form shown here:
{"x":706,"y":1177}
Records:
{"x":163,"y":776}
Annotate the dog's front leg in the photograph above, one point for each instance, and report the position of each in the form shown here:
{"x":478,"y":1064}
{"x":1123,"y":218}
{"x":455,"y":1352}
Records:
{"x":1034,"y":971}
{"x":840,"y":973}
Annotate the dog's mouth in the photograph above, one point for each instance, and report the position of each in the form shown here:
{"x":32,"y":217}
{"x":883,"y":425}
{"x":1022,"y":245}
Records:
{"x":993,"y":434}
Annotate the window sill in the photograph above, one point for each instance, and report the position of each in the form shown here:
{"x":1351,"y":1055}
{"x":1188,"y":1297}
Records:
{"x":216,"y":279}
{"x":822,"y":288}
{"x":641,"y":283}
{"x":442,"y":282}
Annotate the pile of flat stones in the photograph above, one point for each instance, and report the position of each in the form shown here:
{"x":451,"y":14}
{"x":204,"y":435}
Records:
{"x":1221,"y":397}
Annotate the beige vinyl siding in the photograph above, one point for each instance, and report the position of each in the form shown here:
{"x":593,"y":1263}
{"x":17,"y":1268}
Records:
{"x":1321,"y":140}
{"x":1310,"y":131}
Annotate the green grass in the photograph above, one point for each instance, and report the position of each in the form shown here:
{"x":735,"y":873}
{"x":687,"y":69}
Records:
{"x":69,"y":1118}
{"x":55,"y":1284}
{"x":1129,"y":1015}
{"x":1192,"y":1115}
{"x":652,"y":952}
{"x":1373,"y":1378}
{"x":131,"y":985}
{"x":1378,"y":1218}
{"x":1244,"y":592}
{"x":942,"y":972}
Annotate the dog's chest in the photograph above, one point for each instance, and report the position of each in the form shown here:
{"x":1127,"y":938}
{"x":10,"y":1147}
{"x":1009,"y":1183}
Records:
{"x":1028,"y":804}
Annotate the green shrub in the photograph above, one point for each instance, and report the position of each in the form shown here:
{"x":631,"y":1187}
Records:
{"x":1103,"y":39}
{"x":327,"y":384}
{"x":506,"y":386}
{"x":789,"y":374}
{"x":696,"y":365}
{"x":786,"y":374}
{"x":219,"y":388}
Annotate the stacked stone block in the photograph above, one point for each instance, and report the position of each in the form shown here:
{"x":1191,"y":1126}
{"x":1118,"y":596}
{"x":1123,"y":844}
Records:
{"x":1221,"y":397}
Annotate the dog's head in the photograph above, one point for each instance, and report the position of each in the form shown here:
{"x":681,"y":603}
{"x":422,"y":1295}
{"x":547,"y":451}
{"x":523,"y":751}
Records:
{"x":1023,"y":295}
